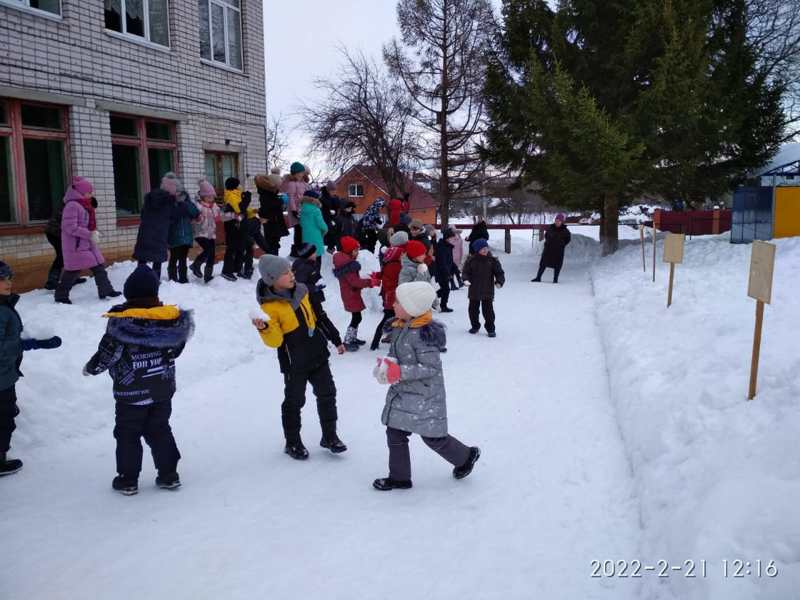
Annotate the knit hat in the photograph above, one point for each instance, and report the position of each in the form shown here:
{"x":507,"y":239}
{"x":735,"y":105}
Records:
{"x":142,"y":283}
{"x":415,"y":248}
{"x":5,"y":271}
{"x":270,"y":267}
{"x":416,"y":224}
{"x":232,"y":183}
{"x":349,"y":244}
{"x":399,"y":238}
{"x":479,"y":245}
{"x":206,"y":190}
{"x":416,"y":297}
{"x":82,"y":185}
{"x":306,"y":250}
{"x":296,"y":168}
{"x":448,"y":233}
{"x":560,"y":217}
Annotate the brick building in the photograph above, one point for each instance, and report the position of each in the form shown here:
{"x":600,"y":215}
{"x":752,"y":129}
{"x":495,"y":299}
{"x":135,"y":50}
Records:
{"x":120,"y":92}
{"x":363,"y":185}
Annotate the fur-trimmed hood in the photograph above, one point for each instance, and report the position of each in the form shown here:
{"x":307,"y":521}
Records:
{"x":344,"y":264}
{"x":310,"y":200}
{"x":264,"y":293}
{"x":158,"y":327}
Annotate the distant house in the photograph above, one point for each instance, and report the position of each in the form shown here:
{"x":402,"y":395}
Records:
{"x":363,"y":185}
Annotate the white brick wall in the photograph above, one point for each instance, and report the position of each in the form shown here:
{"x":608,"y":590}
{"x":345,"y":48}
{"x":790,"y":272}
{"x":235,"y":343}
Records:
{"x":77,"y":58}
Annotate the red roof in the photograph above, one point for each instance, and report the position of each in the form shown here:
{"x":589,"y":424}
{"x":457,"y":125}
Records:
{"x":419,"y":199}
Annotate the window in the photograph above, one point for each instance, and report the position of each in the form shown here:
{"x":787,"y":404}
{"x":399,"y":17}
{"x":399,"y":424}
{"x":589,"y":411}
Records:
{"x":143,"y":151}
{"x":221,"y":32}
{"x":33,"y":163}
{"x":49,"y":6}
{"x":146,"y":19}
{"x":355,"y":190}
{"x":219,"y":167}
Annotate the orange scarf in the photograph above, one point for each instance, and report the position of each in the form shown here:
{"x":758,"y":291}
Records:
{"x":420,"y":321}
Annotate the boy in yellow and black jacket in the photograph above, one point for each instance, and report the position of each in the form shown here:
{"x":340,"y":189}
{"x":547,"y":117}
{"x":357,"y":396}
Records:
{"x":300,"y":330}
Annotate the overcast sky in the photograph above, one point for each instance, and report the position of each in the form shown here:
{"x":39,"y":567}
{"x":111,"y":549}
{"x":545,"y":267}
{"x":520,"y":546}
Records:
{"x":301,"y":40}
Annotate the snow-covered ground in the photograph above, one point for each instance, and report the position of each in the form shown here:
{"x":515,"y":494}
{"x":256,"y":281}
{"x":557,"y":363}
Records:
{"x":611,"y":429}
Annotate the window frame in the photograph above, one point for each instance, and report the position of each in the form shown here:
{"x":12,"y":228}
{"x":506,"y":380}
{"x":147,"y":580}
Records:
{"x":143,"y":144}
{"x":226,"y":6}
{"x":355,"y":186}
{"x":25,"y":6}
{"x":145,"y":39}
{"x":18,"y":133}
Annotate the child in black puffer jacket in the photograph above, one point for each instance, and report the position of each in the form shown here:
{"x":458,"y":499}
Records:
{"x":139,"y":348}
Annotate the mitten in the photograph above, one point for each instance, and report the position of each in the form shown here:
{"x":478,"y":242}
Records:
{"x":467,"y":282}
{"x":393,"y":371}
{"x":374,"y":280}
{"x":86,"y":370}
{"x":50,"y":343}
{"x":498,"y":285}
{"x":422,"y":268}
{"x":95,"y":237}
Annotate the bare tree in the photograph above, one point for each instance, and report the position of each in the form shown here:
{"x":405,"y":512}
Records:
{"x":440,"y":60}
{"x":275,"y":138}
{"x":366,"y":118}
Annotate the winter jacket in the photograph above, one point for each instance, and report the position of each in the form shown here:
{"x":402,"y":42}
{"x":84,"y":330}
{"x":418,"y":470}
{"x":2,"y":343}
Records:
{"x":206,"y":224}
{"x":307,"y":272}
{"x":54,"y":223}
{"x":80,"y":252}
{"x":151,"y":241}
{"x":395,"y":210}
{"x":346,"y":223}
{"x":232,"y":201}
{"x":555,"y":241}
{"x":410,"y":271}
{"x":417,"y":403}
{"x":297,"y":327}
{"x":294,"y":190}
{"x":271,"y":210}
{"x":482,"y":272}
{"x":330,"y":205}
{"x":139,"y":350}
{"x":372,"y":218}
{"x":444,"y":262}
{"x":312,"y":224}
{"x":346,"y":270}
{"x":10,"y":342}
{"x":181,"y":232}
{"x":458,"y":249}
{"x":390,"y":274}
{"x":479,"y":232}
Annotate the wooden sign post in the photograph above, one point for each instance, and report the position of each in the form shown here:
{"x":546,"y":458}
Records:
{"x":654,"y":252}
{"x":641,"y":237}
{"x":762,"y":266}
{"x":673,"y":254}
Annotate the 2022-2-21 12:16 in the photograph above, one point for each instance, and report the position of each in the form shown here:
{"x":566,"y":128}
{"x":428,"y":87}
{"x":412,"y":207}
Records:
{"x":736,"y":568}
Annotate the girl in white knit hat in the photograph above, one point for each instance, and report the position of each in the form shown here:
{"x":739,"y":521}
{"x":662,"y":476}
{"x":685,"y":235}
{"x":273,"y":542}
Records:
{"x":416,"y":400}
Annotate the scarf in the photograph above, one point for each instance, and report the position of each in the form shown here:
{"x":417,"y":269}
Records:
{"x":420,"y":321}
{"x":87,"y":204}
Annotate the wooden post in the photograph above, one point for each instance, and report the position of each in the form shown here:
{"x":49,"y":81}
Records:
{"x":671,"y":280}
{"x":508,"y":240}
{"x":641,"y":237}
{"x":673,"y":254}
{"x":756,"y":349}
{"x":654,"y":252}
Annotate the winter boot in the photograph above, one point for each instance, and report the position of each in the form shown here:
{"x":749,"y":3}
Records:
{"x":492,"y":334}
{"x":111,"y":294}
{"x":168,"y":481}
{"x":357,"y":340}
{"x":386,"y":484}
{"x":195,"y":269}
{"x":9,"y":467}
{"x":536,"y":280}
{"x":444,"y":309}
{"x":350,"y":343}
{"x":333,"y":443}
{"x":229,"y":276}
{"x":127,"y":486}
{"x":466,"y":468}
{"x":474,"y":330}
{"x":244,"y":274}
{"x":296,"y":450}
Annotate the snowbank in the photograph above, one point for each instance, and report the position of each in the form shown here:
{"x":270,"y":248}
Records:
{"x":718,"y":477}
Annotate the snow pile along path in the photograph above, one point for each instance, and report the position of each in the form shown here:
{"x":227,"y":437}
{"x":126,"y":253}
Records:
{"x":718,"y":477}
{"x":551,"y":492}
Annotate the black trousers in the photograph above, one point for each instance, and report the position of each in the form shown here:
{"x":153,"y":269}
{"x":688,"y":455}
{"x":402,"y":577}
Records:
{"x":444,"y":290}
{"x":152,"y":423}
{"x":388,"y":314}
{"x":177,"y":268}
{"x":68,"y":279}
{"x":58,"y":263}
{"x":486,"y":305}
{"x":556,"y":271}
{"x":321,"y":380}
{"x":448,"y":447}
{"x":234,"y":248}
{"x":456,"y":273}
{"x":253,"y":236}
{"x":206,"y":257}
{"x":355,"y":319}
{"x":298,"y":240}
{"x":273,"y":243}
{"x":8,"y":410}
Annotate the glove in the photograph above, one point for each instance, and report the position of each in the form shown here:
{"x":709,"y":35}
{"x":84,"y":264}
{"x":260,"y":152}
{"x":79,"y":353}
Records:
{"x":86,"y":370}
{"x":95,"y":237}
{"x":498,"y":285}
{"x":374,"y":280}
{"x":467,"y":282}
{"x":422,"y":268}
{"x":47,"y":344}
{"x":386,"y":371}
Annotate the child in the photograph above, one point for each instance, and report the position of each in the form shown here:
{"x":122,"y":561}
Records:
{"x":345,"y":221}
{"x":235,"y":206}
{"x":413,"y":263}
{"x":306,"y":271}
{"x":444,"y":268}
{"x":152,"y":239}
{"x":312,"y":223}
{"x":271,"y":210}
{"x":415,"y":402}
{"x":294,"y":187}
{"x":346,"y":269}
{"x":251,"y":234}
{"x":300,"y":330}
{"x":482,"y":273}
{"x":11,"y":348}
{"x":206,"y":232}
{"x":458,"y":256}
{"x":390,"y":273}
{"x":180,"y":237}
{"x":142,"y":340}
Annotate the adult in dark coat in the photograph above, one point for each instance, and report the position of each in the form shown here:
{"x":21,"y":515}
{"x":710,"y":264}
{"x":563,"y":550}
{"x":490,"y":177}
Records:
{"x":331,"y":203}
{"x":157,"y":214}
{"x":479,"y":232}
{"x":271,"y":210}
{"x":556,"y":239}
{"x":443,"y":268}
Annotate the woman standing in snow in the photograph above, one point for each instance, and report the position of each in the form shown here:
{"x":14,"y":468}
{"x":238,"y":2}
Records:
{"x":294,"y":187}
{"x":152,"y":239}
{"x":555,"y":241}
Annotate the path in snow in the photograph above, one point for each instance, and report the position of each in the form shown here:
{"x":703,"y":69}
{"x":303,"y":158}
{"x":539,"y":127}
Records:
{"x":551,"y":492}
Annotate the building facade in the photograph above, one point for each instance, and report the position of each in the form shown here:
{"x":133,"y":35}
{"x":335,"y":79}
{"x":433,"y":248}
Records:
{"x":120,"y":92}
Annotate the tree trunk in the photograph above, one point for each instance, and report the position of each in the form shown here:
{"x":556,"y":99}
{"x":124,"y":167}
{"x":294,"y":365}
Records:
{"x":444,"y":176}
{"x":609,"y":225}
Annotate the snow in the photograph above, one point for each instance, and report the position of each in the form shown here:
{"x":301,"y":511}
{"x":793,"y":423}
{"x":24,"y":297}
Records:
{"x":610,"y":427}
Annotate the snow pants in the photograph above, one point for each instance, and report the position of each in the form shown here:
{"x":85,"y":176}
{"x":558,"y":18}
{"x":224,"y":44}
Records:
{"x":206,"y":257}
{"x":176,"y":267}
{"x":321,"y":380}
{"x":54,"y":274}
{"x":68,"y":279}
{"x":234,"y":248}
{"x":448,"y":447}
{"x":8,"y":411}
{"x":151,"y":422}
{"x":486,"y":305}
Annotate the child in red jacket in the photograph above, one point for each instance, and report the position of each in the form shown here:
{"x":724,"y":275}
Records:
{"x":390,"y":275}
{"x":346,"y":269}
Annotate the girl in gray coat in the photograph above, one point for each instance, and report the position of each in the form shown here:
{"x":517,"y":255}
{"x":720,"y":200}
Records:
{"x":416,"y":400}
